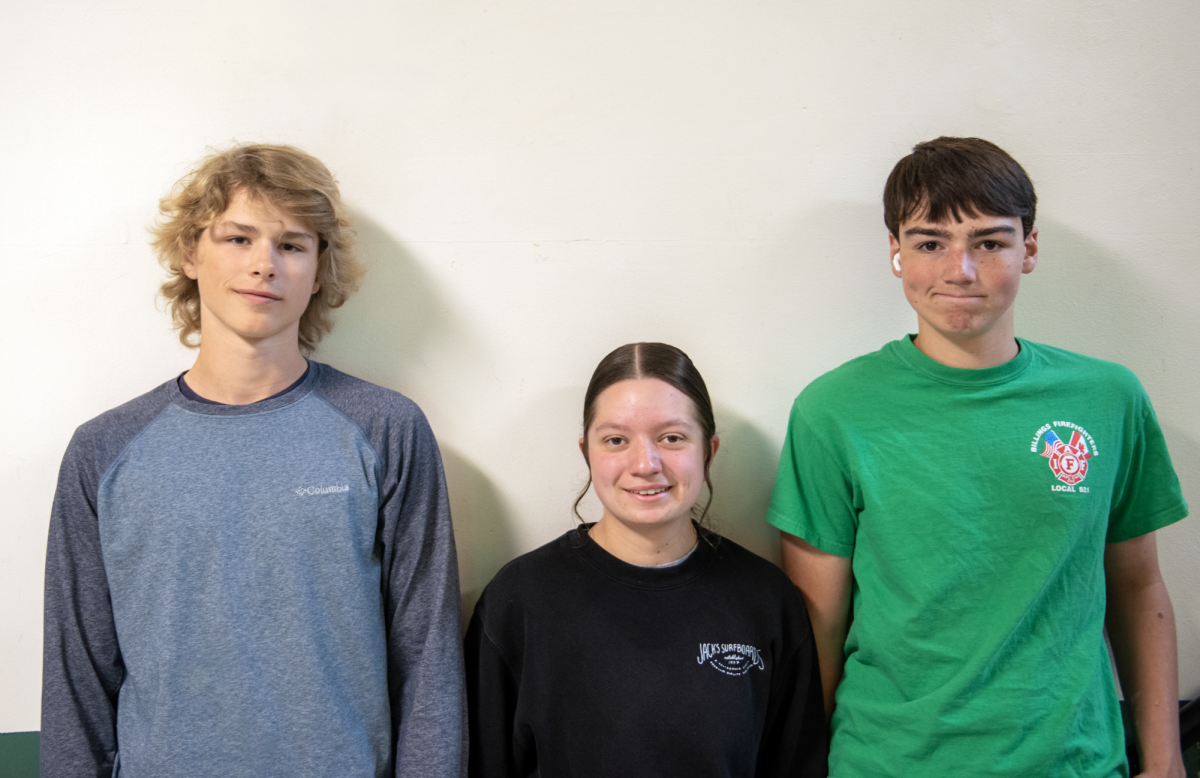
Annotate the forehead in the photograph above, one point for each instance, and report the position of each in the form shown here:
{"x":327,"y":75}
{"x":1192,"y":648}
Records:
{"x":642,"y":401}
{"x":965,"y":223}
{"x":254,"y":208}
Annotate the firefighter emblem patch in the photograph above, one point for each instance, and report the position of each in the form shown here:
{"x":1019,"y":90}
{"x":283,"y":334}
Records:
{"x":1068,"y":461}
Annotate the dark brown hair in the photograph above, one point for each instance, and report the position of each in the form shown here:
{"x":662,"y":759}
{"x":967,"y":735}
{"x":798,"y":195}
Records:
{"x":669,"y":365}
{"x":288,"y":179}
{"x":957,"y":176}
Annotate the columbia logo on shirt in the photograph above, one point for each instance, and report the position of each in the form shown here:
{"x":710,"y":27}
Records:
{"x":730,"y":658}
{"x":305,"y":491}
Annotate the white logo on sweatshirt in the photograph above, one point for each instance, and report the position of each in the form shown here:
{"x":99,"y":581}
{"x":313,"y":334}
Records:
{"x":305,"y":491}
{"x":730,"y":658}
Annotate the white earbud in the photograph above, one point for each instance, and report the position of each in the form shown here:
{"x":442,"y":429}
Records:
{"x":896,"y":261}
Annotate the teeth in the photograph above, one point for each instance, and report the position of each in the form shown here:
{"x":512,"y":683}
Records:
{"x":648,"y":491}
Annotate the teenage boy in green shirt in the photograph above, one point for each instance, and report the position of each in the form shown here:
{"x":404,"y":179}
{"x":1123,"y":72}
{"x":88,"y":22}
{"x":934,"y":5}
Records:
{"x":966,"y":512}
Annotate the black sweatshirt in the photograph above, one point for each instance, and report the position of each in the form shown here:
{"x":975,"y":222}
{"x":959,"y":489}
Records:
{"x":579,"y":664}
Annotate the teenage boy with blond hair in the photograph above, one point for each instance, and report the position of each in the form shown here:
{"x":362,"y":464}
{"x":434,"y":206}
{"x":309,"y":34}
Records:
{"x":250,"y":568}
{"x":966,"y":512}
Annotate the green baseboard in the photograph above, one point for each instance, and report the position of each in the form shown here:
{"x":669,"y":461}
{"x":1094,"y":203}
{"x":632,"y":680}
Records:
{"x":19,"y":755}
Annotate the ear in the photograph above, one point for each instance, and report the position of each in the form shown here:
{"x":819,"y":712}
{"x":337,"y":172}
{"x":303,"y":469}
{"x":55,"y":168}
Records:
{"x":583,"y":449}
{"x":1031,"y":252}
{"x":316,"y":285}
{"x":189,"y":264}
{"x":893,"y":249}
{"x":714,"y":444}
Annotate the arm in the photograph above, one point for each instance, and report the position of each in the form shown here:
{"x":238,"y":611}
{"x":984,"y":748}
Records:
{"x":1141,"y":628}
{"x":492,"y":704}
{"x":421,"y":614}
{"x":824,"y":581}
{"x":795,"y":737}
{"x":82,"y":668}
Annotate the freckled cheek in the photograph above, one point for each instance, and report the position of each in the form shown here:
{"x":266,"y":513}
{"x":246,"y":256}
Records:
{"x":912,"y":293}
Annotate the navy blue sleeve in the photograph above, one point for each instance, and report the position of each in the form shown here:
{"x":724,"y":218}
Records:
{"x":82,"y":669}
{"x":420,"y":579}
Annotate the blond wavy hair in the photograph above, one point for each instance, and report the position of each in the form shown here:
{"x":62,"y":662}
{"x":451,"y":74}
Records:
{"x":288,"y":179}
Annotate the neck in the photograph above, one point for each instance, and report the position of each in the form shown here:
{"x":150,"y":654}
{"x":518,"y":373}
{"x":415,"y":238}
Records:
{"x":644,"y":546}
{"x":986,"y":350}
{"x":240,"y":373}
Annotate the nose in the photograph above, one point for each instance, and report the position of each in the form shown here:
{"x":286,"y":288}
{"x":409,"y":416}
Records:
{"x":961,"y":267}
{"x":263,"y":261}
{"x":646,"y":458}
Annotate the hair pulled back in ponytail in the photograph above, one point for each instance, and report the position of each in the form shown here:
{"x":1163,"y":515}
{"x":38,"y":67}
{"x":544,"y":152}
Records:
{"x":667,"y":364}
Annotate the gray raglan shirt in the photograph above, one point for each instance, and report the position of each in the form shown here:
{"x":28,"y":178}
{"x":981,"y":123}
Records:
{"x":255,"y":590}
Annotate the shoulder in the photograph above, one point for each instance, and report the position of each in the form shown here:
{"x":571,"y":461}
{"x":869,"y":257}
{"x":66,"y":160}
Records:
{"x":360,"y":399}
{"x":540,"y":581}
{"x":734,"y":560}
{"x":1060,"y":365}
{"x":103,"y":438}
{"x":135,"y":414}
{"x":758,"y":584}
{"x":848,"y":389}
{"x":533,"y":571}
{"x":391,"y":422}
{"x":835,"y":384}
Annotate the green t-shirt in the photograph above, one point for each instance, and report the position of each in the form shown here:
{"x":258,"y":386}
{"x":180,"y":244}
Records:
{"x":975,"y":505}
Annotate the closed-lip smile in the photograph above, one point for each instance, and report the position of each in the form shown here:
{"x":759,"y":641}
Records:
{"x":258,"y":293}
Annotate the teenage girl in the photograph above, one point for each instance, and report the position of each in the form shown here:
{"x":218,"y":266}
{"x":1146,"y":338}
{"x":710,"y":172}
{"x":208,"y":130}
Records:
{"x":644,"y":644}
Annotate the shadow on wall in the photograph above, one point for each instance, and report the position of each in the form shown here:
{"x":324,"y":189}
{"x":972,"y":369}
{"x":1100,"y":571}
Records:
{"x":395,"y":332}
{"x":1185,"y":456}
{"x":743,"y":474}
{"x":1085,"y":298}
{"x":849,"y":263}
{"x":1178,"y":550}
{"x":386,"y":331}
{"x":482,"y":528}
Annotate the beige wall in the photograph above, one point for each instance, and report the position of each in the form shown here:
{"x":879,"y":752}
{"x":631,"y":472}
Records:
{"x":538,"y":182}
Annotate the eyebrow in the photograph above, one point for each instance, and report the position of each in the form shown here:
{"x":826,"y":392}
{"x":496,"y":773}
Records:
{"x":1004,"y":229}
{"x":252,"y":230}
{"x":933,"y":233}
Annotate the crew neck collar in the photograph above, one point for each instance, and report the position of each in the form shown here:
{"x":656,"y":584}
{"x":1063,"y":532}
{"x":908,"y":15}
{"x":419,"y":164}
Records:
{"x":287,"y":397}
{"x":689,"y":568}
{"x":965,"y":376}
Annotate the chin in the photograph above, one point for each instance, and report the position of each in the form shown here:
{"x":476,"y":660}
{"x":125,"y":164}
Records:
{"x":666,"y":521}
{"x":960,"y":327}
